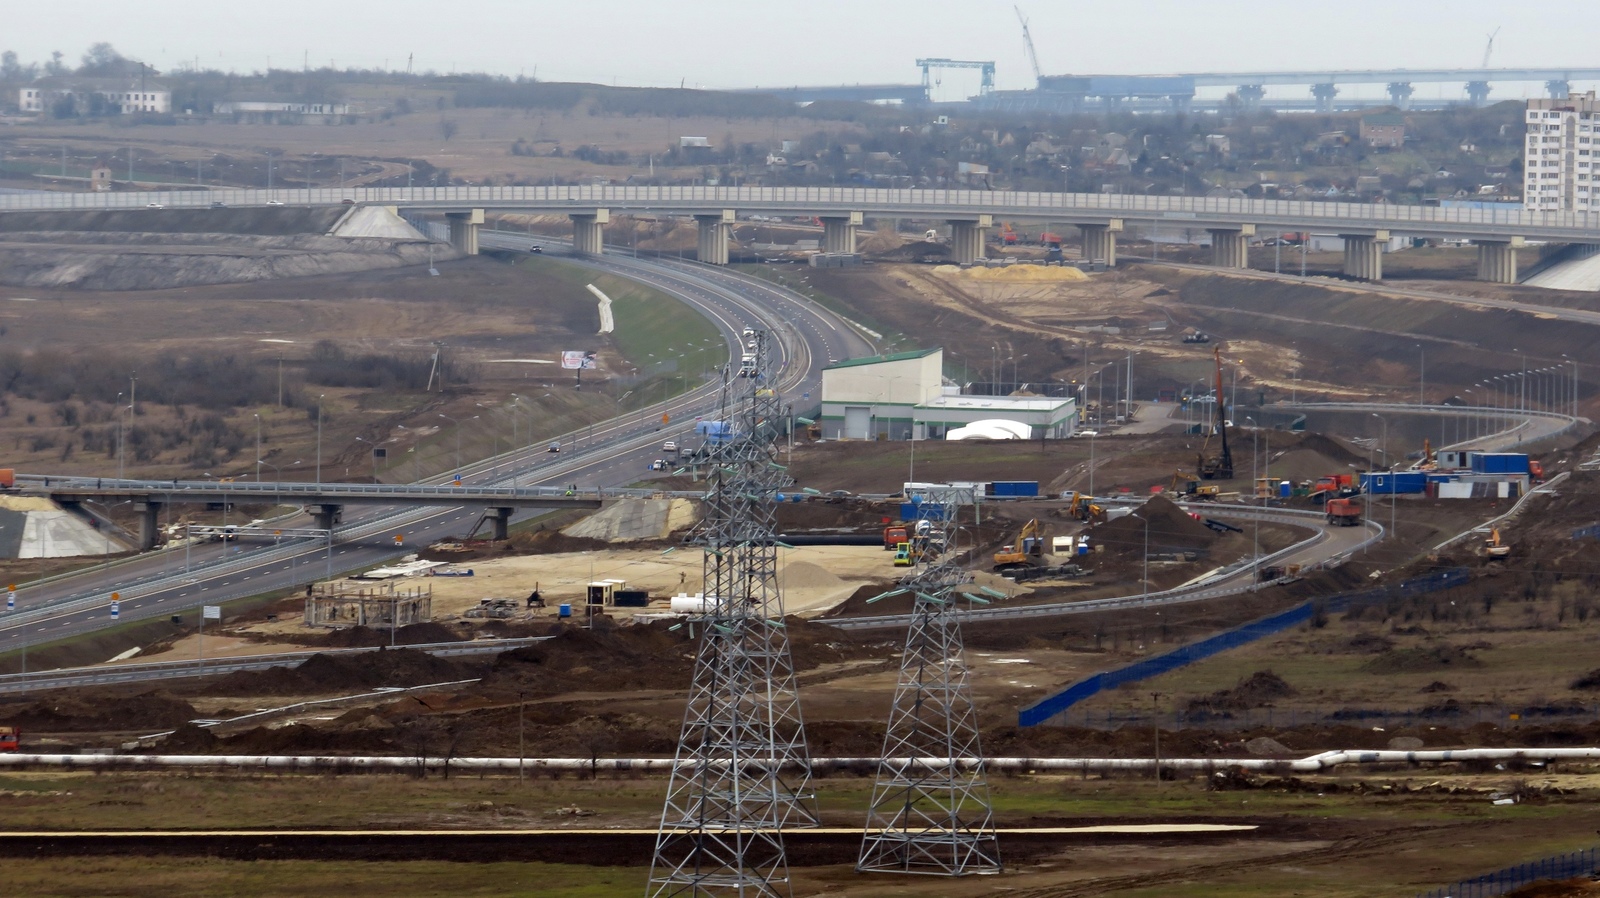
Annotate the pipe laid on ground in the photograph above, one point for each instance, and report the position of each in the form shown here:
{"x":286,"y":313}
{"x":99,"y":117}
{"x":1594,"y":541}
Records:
{"x":1319,"y":762}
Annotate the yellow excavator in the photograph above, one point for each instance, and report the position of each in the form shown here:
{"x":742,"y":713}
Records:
{"x":1186,"y":484}
{"x":1025,"y":551}
{"x":1493,"y":547}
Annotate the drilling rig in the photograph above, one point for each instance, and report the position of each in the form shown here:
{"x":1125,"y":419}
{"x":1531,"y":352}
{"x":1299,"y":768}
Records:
{"x":1219,"y":466}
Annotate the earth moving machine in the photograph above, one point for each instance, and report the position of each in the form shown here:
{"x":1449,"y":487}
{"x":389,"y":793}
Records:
{"x":1026,"y":551}
{"x":1219,"y":466}
{"x":1186,"y":484}
{"x":1493,"y":547}
{"x":10,"y":737}
{"x":1343,"y":512}
{"x":904,"y":555}
{"x":1084,"y":509}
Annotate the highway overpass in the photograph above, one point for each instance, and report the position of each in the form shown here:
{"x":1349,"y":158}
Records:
{"x":1231,"y":222}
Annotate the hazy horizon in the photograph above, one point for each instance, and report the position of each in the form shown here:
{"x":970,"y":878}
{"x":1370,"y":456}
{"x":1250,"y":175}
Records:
{"x":725,"y":44}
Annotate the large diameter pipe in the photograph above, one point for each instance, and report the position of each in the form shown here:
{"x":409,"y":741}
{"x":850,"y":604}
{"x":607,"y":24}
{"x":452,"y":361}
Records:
{"x":1319,"y":762}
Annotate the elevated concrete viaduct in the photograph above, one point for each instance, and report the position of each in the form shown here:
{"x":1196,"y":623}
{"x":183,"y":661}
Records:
{"x":1232,"y":221}
{"x":324,"y":502}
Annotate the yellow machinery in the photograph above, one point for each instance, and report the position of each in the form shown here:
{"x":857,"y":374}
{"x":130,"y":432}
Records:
{"x":1493,"y":547}
{"x":1084,"y":509}
{"x":1027,"y":549}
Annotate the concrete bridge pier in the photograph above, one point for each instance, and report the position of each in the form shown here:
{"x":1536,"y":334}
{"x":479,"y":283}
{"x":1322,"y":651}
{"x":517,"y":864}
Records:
{"x":588,"y":232}
{"x":464,"y":230}
{"x":1230,"y":248}
{"x":1251,"y":95}
{"x":714,"y":233}
{"x":1324,"y":94}
{"x":1497,"y":260}
{"x":1100,"y":241}
{"x":967,"y":239}
{"x":149,"y":513}
{"x":326,"y":515}
{"x":1400,"y":94}
{"x":1363,"y":255}
{"x":500,"y":523}
{"x":839,"y":233}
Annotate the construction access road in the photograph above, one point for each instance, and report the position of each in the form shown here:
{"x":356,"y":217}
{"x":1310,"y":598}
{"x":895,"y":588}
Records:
{"x":611,"y":453}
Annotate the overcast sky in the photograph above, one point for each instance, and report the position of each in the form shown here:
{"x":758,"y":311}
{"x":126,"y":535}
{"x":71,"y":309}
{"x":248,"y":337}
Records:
{"x":724,"y":43}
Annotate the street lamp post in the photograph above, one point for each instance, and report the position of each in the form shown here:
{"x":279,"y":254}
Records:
{"x":258,"y":448}
{"x":320,"y":397}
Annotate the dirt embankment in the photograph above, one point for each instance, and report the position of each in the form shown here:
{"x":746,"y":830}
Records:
{"x":268,"y":221}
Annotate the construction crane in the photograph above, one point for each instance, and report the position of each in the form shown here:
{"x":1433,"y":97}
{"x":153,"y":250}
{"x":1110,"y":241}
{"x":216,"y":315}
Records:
{"x":1220,"y":466}
{"x":986,"y":71}
{"x":1489,"y":48}
{"x":1027,"y":41}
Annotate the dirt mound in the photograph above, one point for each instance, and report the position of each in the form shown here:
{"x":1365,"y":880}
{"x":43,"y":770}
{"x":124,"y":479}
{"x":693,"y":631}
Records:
{"x":1570,"y":888}
{"x":189,"y":739}
{"x":920,"y":251}
{"x":1421,"y":658}
{"x":1170,"y":527}
{"x":575,"y":658}
{"x":805,"y":575}
{"x":322,"y":674}
{"x":1437,"y":686}
{"x":1259,"y":690}
{"x":84,"y":711}
{"x":1590,"y":680}
{"x":426,"y":633}
{"x":1266,"y":746}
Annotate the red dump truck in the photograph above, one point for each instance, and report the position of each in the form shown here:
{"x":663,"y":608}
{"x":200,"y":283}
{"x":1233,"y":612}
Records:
{"x":893,"y":536}
{"x":1343,"y":512}
{"x":8,"y":478}
{"x":9,"y":737}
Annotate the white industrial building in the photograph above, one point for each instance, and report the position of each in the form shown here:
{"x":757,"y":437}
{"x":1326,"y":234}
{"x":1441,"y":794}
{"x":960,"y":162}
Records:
{"x":1559,"y":170}
{"x":95,"y":96}
{"x":905,"y":396}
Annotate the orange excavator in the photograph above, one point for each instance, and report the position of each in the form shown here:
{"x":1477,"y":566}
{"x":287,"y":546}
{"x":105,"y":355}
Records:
{"x":1219,"y":466}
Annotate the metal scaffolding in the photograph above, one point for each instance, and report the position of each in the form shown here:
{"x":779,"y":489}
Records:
{"x":728,"y":801}
{"x":930,"y":809}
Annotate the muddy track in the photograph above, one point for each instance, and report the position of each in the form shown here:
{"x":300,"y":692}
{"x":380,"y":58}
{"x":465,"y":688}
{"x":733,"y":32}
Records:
{"x":1343,"y":849}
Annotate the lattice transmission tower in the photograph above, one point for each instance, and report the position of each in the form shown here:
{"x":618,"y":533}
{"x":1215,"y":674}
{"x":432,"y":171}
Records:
{"x":930,"y":809}
{"x":743,"y":771}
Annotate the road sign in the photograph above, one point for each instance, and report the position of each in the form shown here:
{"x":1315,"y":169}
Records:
{"x":211,"y":612}
{"x":399,"y":539}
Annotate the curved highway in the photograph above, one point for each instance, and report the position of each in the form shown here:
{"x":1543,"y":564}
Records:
{"x":614,"y":452}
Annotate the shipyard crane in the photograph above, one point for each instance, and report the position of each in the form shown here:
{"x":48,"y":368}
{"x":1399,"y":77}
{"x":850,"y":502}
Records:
{"x":1027,"y":41}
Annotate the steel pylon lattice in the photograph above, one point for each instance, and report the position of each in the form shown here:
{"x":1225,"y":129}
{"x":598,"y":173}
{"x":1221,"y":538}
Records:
{"x":728,"y":801}
{"x":931,"y":811}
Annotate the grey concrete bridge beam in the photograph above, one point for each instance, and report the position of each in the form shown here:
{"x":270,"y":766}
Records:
{"x":500,"y":523}
{"x":149,"y":513}
{"x":839,"y":233}
{"x":588,"y":231}
{"x":326,"y":515}
{"x":1100,"y":241}
{"x":1497,"y":260}
{"x":464,"y":230}
{"x":714,"y":232}
{"x":967,"y":238}
{"x":1400,"y":94}
{"x":1363,"y":255}
{"x":1230,"y":247}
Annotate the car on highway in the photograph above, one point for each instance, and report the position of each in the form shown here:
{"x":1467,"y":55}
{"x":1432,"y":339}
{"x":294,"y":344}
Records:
{"x":536,"y":248}
{"x":274,"y":202}
{"x":219,"y":205}
{"x":554,"y":447}
{"x":347,"y":202}
{"x":659,"y":464}
{"x":154,"y":206}
{"x":669,"y":446}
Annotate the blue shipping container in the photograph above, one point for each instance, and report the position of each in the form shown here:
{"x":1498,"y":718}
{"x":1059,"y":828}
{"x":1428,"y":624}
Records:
{"x":1013,"y":488}
{"x":1500,"y":463}
{"x":1385,"y":482}
{"x":916,"y":511}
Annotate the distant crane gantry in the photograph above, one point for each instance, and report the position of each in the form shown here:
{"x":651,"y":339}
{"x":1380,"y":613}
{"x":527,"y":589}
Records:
{"x":985,"y":67}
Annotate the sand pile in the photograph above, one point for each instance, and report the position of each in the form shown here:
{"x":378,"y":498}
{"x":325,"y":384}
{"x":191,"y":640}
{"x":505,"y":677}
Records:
{"x":1032,"y":274}
{"x":805,"y":575}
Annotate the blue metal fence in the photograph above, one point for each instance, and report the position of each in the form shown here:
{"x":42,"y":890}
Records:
{"x":1573,"y":865}
{"x":1043,"y":710}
